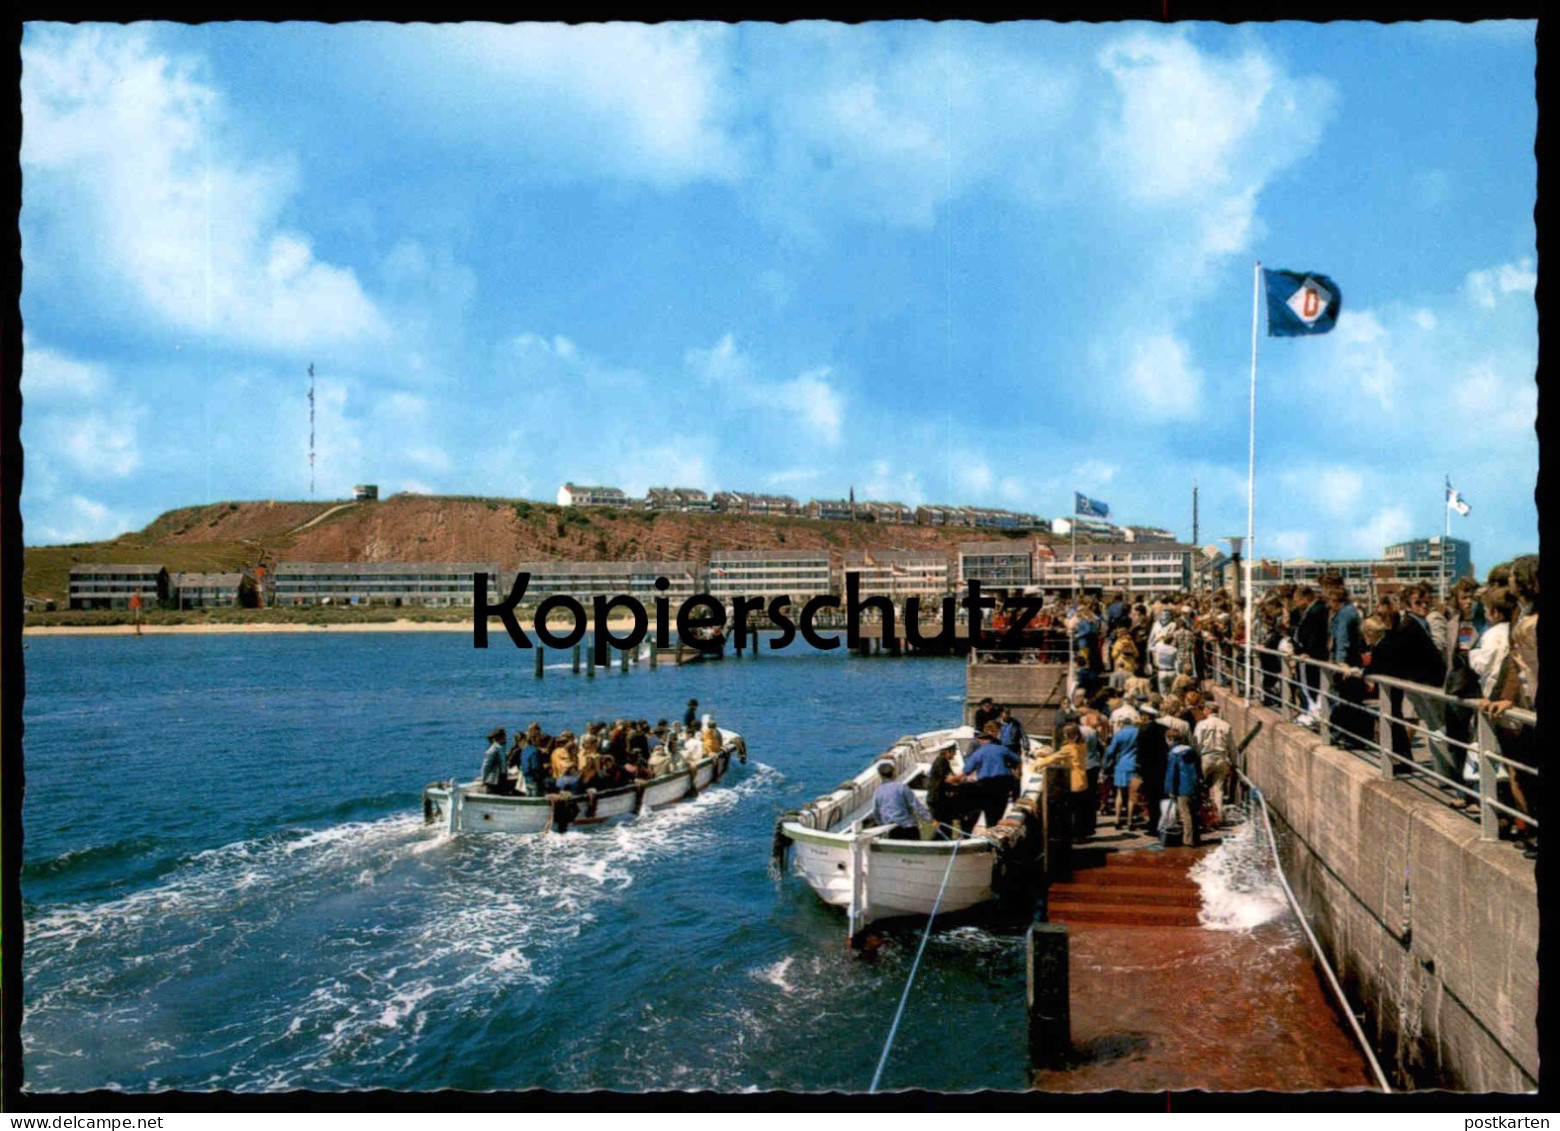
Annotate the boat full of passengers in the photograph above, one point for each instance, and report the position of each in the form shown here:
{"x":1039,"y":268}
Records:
{"x":688,"y":764}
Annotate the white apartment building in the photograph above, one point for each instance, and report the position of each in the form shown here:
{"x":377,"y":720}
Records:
{"x":1133,"y":567}
{"x":896,"y":574}
{"x":800,"y":574}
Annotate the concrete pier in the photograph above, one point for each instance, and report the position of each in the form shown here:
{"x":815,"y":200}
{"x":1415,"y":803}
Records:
{"x":1433,"y":931}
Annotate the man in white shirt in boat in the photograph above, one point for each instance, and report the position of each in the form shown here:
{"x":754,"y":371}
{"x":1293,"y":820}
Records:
{"x":894,"y":804}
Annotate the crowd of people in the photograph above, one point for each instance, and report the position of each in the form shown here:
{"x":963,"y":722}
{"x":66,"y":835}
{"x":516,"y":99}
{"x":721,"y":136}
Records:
{"x":1145,"y":745}
{"x":605,"y":756}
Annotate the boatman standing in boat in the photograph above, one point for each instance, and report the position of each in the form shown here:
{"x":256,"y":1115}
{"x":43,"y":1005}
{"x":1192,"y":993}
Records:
{"x":894,"y":804}
{"x":990,"y":766}
{"x":493,"y":761}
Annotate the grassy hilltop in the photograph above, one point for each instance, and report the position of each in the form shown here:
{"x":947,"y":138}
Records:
{"x":423,"y":528}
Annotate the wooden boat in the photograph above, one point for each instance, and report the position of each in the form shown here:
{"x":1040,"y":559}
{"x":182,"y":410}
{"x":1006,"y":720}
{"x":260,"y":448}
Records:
{"x":871,"y":877}
{"x":469,"y":807}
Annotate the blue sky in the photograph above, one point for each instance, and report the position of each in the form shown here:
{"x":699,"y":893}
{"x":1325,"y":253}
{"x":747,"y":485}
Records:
{"x":984,"y":264}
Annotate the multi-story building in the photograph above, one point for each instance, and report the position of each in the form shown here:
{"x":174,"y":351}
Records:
{"x":1147,"y":534}
{"x":896,"y":574}
{"x":1133,"y":567}
{"x":801,"y":574}
{"x":941,"y":516}
{"x":366,"y":492}
{"x":743,"y":502}
{"x":894,"y":513}
{"x":1454,"y":552}
{"x":438,"y":584}
{"x":572,"y":495}
{"x":678,"y":499}
{"x":106,"y":586}
{"x":211,"y":590}
{"x":997,"y":565}
{"x":586,"y":580}
{"x":837,"y":509}
{"x":1364,"y":578}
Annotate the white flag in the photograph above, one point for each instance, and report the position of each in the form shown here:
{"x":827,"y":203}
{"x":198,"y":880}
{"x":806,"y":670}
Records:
{"x":1455,"y":501}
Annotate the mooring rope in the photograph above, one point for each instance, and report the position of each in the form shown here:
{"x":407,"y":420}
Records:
{"x":916,"y":965}
{"x":1343,"y":1002}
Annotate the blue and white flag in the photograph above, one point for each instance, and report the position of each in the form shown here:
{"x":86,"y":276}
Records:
{"x":1454,"y":501}
{"x":1092,"y":508}
{"x":1300,"y":302}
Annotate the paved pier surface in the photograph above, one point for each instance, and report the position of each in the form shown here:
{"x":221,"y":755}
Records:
{"x":1160,"y":1003}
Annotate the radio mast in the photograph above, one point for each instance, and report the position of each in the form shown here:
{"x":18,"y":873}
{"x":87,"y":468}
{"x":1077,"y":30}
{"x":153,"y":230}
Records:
{"x":311,"y":429}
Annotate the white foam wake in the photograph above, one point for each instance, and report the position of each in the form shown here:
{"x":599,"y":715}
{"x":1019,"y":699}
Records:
{"x":1239,"y":887}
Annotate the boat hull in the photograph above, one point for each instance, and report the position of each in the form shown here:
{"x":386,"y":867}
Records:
{"x":468,"y":808}
{"x":872,"y":877}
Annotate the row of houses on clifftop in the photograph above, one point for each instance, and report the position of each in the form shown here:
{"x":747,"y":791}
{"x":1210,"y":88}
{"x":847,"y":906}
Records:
{"x":691,"y":500}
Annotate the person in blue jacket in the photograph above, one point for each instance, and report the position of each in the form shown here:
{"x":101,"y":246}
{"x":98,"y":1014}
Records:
{"x":1182,"y":775}
{"x":1121,"y":759}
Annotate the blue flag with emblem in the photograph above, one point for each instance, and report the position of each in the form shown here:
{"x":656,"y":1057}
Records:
{"x":1092,"y":508}
{"x":1300,"y":302}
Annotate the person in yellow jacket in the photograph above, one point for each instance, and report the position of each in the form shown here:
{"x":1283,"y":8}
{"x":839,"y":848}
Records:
{"x":565,"y":768}
{"x":1123,"y":657}
{"x":712,"y":740}
{"x":1073,"y":755}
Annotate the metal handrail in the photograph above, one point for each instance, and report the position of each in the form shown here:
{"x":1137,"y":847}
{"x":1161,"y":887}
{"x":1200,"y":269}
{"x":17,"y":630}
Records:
{"x":1232,"y":665}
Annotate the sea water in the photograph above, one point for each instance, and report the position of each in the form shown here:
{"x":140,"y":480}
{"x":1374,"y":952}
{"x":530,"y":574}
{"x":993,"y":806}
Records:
{"x":227,"y":882}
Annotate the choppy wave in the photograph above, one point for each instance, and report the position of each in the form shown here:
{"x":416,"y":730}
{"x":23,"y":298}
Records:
{"x":330,"y":950}
{"x":1240,"y":889}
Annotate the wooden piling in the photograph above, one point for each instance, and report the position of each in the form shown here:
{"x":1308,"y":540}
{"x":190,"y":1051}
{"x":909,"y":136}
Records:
{"x":1049,"y":996}
{"x":654,"y":656}
{"x":1057,"y":824}
{"x":576,"y":659}
{"x":590,"y":664}
{"x":541,"y":660}
{"x":623,"y":665}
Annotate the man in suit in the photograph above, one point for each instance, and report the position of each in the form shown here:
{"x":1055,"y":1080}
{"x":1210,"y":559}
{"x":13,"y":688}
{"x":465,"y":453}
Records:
{"x":1310,"y":636}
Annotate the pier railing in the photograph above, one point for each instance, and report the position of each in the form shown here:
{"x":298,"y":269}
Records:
{"x":1336,"y":699}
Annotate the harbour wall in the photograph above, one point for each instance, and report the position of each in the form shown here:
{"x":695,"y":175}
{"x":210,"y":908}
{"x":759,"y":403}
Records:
{"x":1431,"y":930}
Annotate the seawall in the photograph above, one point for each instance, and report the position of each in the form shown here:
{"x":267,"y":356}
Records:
{"x":1432,"y":930}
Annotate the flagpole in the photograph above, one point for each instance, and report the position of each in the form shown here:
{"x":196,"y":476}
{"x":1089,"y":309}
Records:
{"x":1446,"y":505}
{"x":1251,"y":473}
{"x":1072,"y":651}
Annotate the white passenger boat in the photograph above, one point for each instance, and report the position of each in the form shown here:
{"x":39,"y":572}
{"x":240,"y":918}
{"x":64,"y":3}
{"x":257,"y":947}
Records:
{"x":469,"y":807}
{"x":871,"y":877}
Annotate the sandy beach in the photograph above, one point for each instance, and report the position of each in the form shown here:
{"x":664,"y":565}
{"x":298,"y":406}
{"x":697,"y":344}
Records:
{"x":496,"y":633}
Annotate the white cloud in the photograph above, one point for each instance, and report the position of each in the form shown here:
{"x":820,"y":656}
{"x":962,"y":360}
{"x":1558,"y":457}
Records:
{"x":632,"y":102}
{"x":1424,"y":319}
{"x":128,"y":164}
{"x":1335,"y":491}
{"x":77,"y":417}
{"x":1095,"y":471}
{"x":1163,"y":379}
{"x":50,"y":378}
{"x":1361,"y":358}
{"x":1500,"y":404}
{"x":888,"y":483}
{"x":885,"y":127}
{"x":1387,"y":525}
{"x":792,"y":475}
{"x":974,"y":476}
{"x":1197,"y":136}
{"x":1288,"y":544}
{"x":1485,"y":287}
{"x":817,"y":405}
